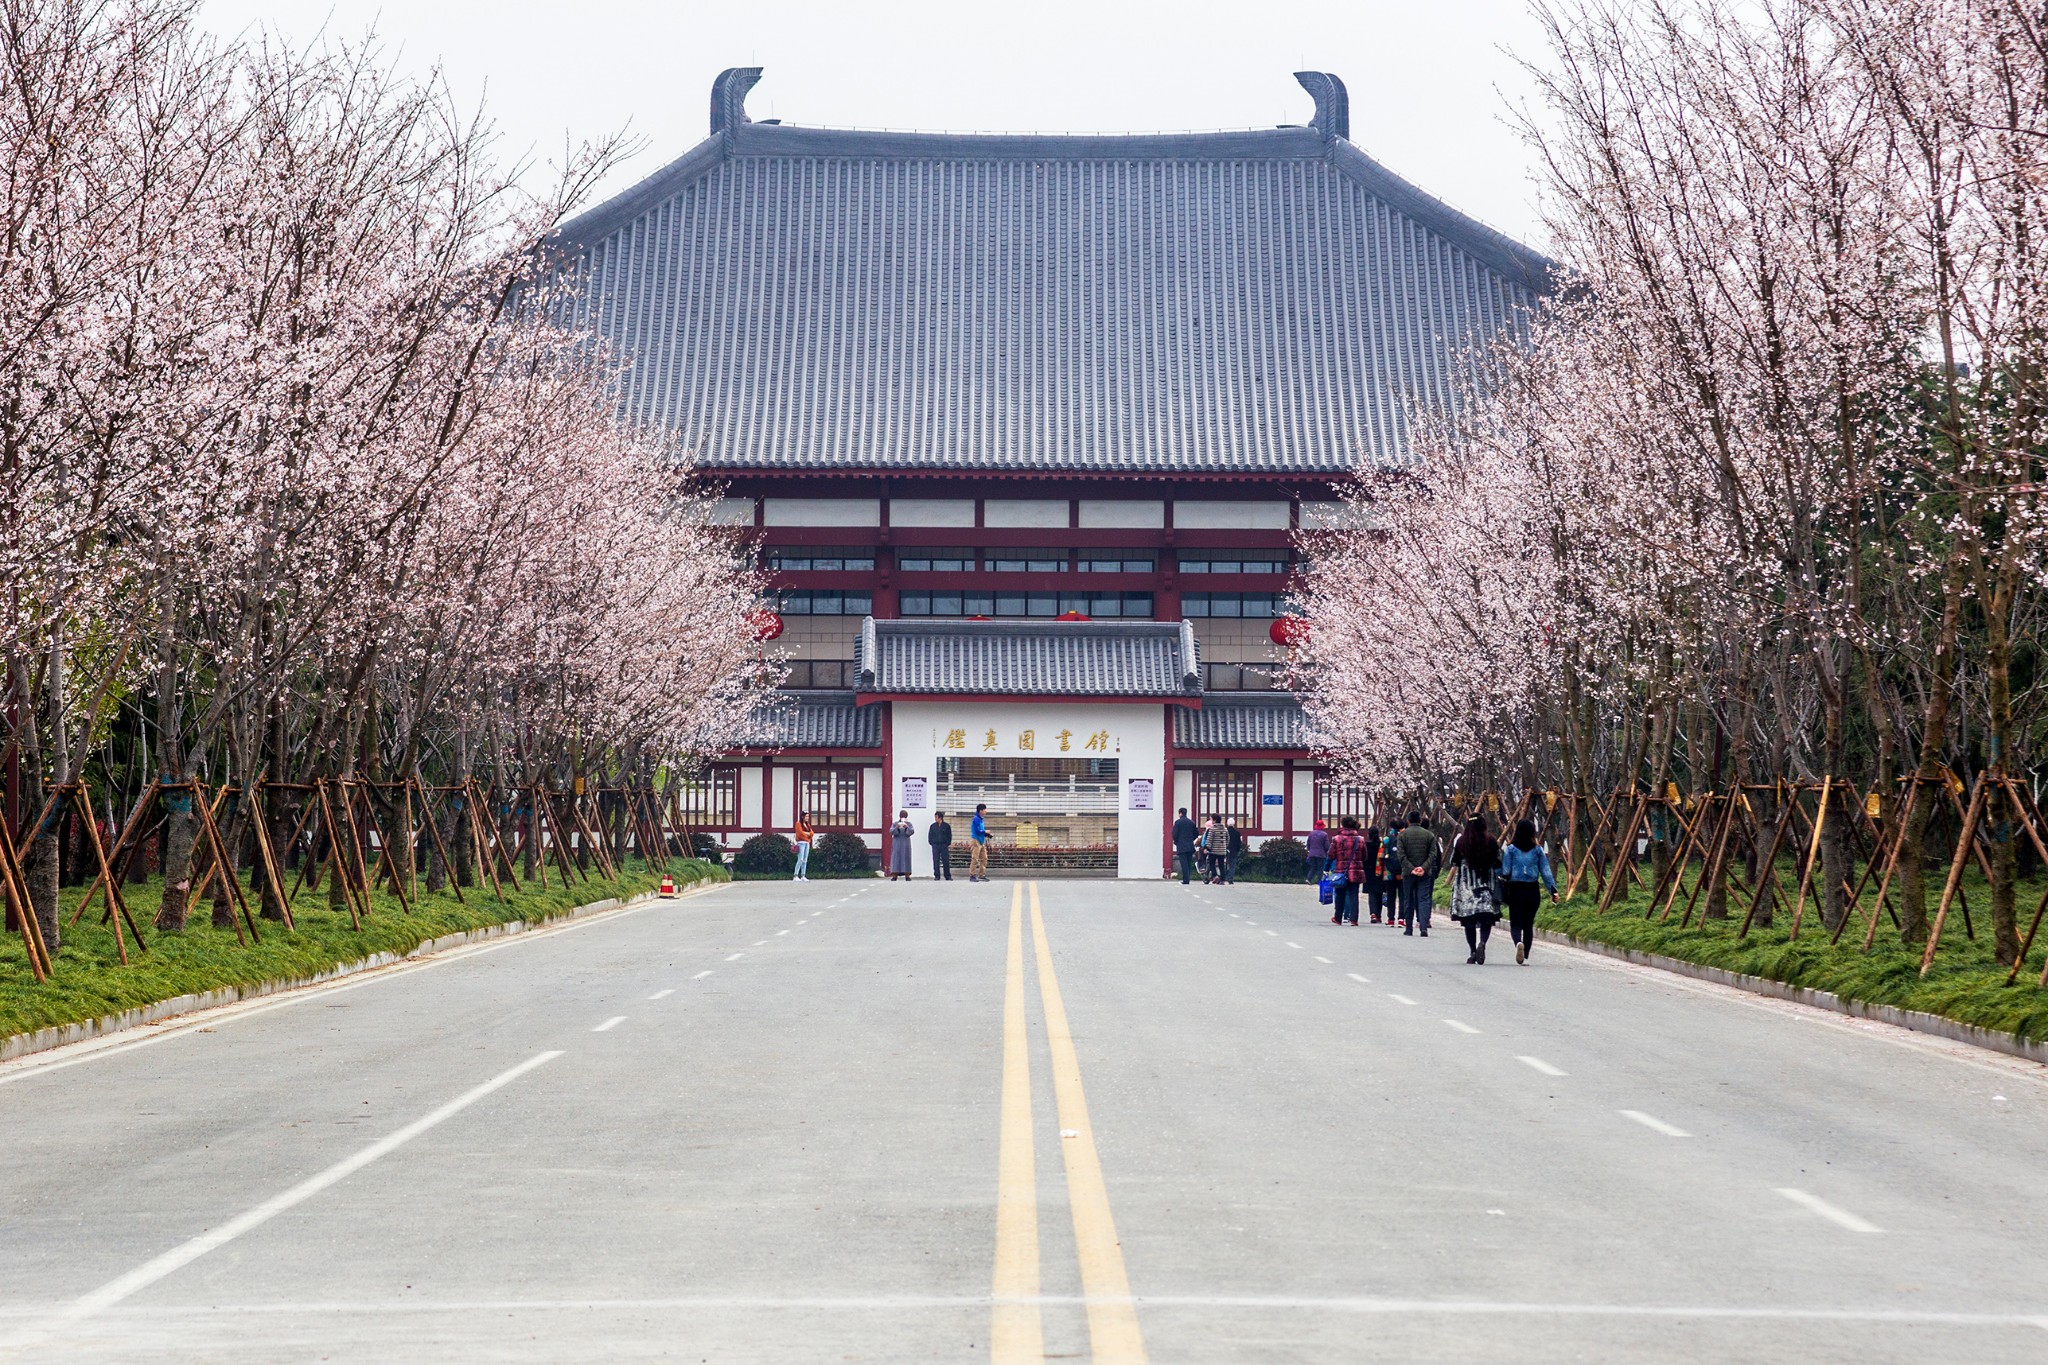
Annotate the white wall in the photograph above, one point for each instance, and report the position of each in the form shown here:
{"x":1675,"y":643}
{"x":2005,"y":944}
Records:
{"x":750,"y":796}
{"x":1034,"y":512}
{"x":1235,"y":516}
{"x":931,"y":511}
{"x":1272,"y":782}
{"x":1122,"y":512}
{"x":733,"y":512}
{"x":782,"y":800}
{"x":821,"y":511}
{"x":1137,"y":740}
{"x":1304,"y":799}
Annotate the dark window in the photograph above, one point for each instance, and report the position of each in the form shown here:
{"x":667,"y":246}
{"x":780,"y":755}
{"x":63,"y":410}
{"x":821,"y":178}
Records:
{"x":1239,"y":678}
{"x":820,"y":558}
{"x":1231,"y":561}
{"x":709,"y":799}
{"x":1259,"y":604}
{"x":1131,"y":605}
{"x":1117,"y":561}
{"x":804,"y":602}
{"x":815,"y":673}
{"x":1026,"y":561}
{"x":831,"y":796}
{"x":924,"y":559}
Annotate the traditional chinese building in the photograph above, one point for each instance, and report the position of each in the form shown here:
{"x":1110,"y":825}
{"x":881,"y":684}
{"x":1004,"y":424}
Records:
{"x":1024,"y":428}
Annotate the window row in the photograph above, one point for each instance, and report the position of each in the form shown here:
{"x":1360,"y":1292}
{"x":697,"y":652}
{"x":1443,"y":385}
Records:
{"x":830,"y":795}
{"x":1195,"y":605}
{"x":1131,"y":604}
{"x":804,"y":602}
{"x":929,"y":559}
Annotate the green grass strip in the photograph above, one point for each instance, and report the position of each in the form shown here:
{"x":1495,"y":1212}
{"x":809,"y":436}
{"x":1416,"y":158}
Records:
{"x":1966,"y":985}
{"x":89,"y":981}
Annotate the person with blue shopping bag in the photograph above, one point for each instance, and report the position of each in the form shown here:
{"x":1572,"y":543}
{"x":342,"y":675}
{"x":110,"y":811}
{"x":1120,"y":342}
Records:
{"x":1347,"y":860}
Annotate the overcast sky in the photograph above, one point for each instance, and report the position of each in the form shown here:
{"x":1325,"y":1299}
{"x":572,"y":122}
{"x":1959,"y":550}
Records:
{"x":1430,"y":82}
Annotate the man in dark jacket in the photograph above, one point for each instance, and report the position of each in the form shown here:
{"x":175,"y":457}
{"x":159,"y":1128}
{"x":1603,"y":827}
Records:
{"x":1420,"y":856}
{"x":1184,"y":845}
{"x":940,"y":837}
{"x":1233,"y":846}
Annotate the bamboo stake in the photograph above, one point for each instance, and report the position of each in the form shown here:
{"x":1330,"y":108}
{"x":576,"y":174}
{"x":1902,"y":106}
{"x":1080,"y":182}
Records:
{"x":1628,"y":840}
{"x":14,"y":885}
{"x":127,"y":837}
{"x":434,"y":828}
{"x":1711,"y":869}
{"x":336,"y":863}
{"x":1777,"y":839}
{"x":1891,"y":864}
{"x":1955,"y":871}
{"x":1674,"y":876}
{"x":1812,"y":852}
{"x":226,"y":865}
{"x":271,"y":875}
{"x":115,"y":901}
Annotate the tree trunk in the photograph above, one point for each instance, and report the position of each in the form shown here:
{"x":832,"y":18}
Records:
{"x":179,"y":831}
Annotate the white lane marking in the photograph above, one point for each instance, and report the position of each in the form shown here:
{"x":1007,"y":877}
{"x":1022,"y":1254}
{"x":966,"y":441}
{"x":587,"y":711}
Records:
{"x":1253,"y":923}
{"x":700,"y":976}
{"x":1813,"y":1203}
{"x":758,"y":942}
{"x":1361,"y":980}
{"x":1402,"y":998}
{"x":1272,"y":933}
{"x":177,"y":1026}
{"x":1461,"y":1027}
{"x":1326,"y":962}
{"x":608,"y":1025}
{"x":1538,"y":1064}
{"x":1290,"y":942}
{"x":780,"y":932}
{"x":1236,"y":916}
{"x":663,"y":995}
{"x":150,"y":1271}
{"x":1654,"y":1124}
{"x":736,"y":957}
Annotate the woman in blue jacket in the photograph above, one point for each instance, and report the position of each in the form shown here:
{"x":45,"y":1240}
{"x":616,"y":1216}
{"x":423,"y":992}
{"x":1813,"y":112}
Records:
{"x":1523,"y":864}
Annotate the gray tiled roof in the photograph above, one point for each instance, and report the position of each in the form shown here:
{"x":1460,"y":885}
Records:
{"x":1262,"y":301}
{"x":1251,"y":722}
{"x":816,"y":720}
{"x":1030,"y":658}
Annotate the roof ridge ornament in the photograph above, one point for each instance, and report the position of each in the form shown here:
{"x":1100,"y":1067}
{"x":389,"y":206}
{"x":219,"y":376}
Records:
{"x":729,"y":97}
{"x":1333,"y":103}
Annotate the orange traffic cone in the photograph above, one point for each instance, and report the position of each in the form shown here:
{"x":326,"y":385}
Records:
{"x":668,"y":885}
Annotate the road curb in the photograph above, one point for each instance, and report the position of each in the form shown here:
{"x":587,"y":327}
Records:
{"x":1918,"y":1020}
{"x":61,"y":1035}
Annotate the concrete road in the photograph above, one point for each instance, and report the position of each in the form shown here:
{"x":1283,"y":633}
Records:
{"x":854,"y":1121}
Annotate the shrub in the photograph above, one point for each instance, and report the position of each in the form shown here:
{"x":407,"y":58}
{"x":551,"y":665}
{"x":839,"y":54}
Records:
{"x":1284,"y":860}
{"x":840,"y":852}
{"x":706,"y":847}
{"x":766,"y":854}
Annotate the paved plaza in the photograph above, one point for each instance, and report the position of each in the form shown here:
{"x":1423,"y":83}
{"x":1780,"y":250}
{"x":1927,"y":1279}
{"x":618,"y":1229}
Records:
{"x":1065,"y":1119}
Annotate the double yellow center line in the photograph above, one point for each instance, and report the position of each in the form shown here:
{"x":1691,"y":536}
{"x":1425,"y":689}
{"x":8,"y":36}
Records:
{"x":1017,"y":1331}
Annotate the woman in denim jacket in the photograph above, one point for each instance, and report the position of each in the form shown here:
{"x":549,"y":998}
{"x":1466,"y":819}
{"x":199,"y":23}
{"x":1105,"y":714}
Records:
{"x":1523,"y":864}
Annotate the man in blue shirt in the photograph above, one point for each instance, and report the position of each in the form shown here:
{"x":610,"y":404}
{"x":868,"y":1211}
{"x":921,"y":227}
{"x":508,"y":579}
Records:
{"x":977,"y":857}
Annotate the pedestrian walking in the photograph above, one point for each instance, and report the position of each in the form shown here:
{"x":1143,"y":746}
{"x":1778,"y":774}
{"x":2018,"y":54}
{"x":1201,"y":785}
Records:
{"x":1475,"y":857}
{"x":805,"y":836}
{"x":1185,"y":833}
{"x":1419,"y":857}
{"x":1215,"y":845}
{"x":1233,"y":849}
{"x":1319,"y":852}
{"x":1347,"y":861}
{"x":1523,"y":863}
{"x":977,"y":853}
{"x":1379,"y":897}
{"x":939,"y":835}
{"x":900,"y":835}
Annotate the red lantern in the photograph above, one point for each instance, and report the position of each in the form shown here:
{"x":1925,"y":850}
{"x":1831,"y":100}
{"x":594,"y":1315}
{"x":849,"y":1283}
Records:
{"x":767,"y":625}
{"x":1288,"y":631}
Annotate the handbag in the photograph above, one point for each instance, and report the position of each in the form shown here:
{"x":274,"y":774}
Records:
{"x":1326,"y":889}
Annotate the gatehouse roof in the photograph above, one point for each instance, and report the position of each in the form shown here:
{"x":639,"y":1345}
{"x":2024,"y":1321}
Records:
{"x":1123,"y":659}
{"x":1270,"y":301}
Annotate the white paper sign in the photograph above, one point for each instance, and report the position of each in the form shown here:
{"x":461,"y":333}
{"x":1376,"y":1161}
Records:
{"x":1141,"y":793}
{"x":913,"y":793}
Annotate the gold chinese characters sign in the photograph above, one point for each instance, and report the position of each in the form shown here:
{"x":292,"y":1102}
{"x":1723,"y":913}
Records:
{"x":986,"y":740}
